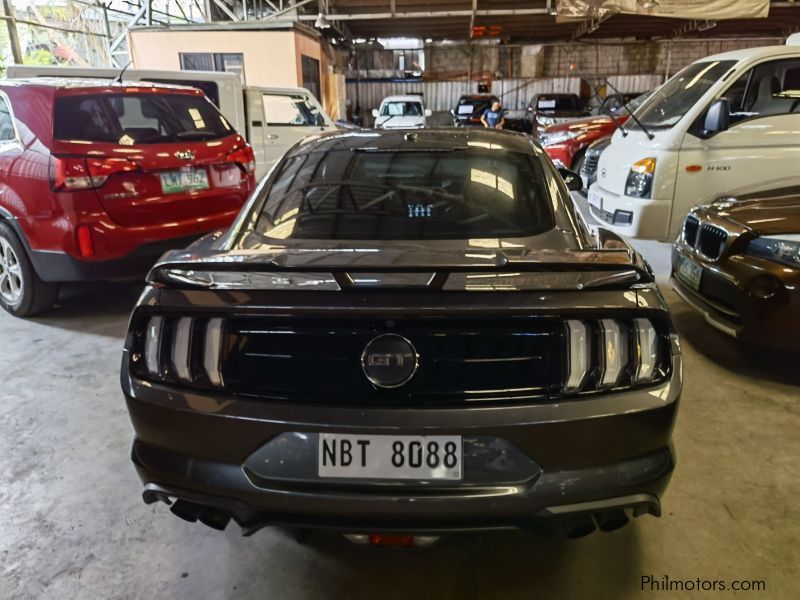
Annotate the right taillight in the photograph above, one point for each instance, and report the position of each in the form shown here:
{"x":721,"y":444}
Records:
{"x":244,"y":157}
{"x":610,"y":353}
{"x":82,"y":173}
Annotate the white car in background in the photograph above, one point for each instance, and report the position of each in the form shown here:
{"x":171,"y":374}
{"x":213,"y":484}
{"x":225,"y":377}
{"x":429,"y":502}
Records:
{"x":401,"y":112}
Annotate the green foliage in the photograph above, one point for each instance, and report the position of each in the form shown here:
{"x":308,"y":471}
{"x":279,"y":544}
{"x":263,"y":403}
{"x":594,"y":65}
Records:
{"x":39,"y":57}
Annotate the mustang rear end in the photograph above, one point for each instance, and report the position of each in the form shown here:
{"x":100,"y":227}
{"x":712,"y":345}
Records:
{"x":405,"y":332}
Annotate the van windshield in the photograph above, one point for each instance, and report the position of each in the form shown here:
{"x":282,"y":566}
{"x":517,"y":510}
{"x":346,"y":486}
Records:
{"x":130,"y":118}
{"x":398,"y":108}
{"x":667,"y":105}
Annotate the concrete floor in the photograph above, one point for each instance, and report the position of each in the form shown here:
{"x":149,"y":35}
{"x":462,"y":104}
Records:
{"x":73,"y":525}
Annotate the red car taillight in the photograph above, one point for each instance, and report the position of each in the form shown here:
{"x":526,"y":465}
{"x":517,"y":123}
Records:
{"x":243,"y":157}
{"x":71,"y":173}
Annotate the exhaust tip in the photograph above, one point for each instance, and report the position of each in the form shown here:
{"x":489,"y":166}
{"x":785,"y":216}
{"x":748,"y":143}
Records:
{"x":611,"y":520}
{"x":214,"y":518}
{"x":188,"y":511}
{"x":579,"y":526}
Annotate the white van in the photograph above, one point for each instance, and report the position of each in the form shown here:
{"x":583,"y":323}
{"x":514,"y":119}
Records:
{"x":401,"y":112}
{"x":272,"y":119}
{"x":723,"y":122}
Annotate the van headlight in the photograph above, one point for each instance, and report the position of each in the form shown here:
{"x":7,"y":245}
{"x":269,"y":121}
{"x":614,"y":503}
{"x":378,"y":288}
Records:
{"x":784,"y":248}
{"x":640,"y":178}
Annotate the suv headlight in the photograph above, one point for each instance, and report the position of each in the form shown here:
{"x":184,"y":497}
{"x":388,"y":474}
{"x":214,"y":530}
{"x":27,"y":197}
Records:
{"x":557,"y":137}
{"x":640,"y":178}
{"x":545,"y":121}
{"x":784,"y":248}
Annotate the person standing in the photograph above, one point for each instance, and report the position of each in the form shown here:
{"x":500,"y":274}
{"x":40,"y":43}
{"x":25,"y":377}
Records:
{"x":492,"y":118}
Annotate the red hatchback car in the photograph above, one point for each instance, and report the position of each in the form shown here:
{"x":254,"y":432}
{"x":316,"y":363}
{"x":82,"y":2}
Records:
{"x":566,"y":143}
{"x":97,"y":180}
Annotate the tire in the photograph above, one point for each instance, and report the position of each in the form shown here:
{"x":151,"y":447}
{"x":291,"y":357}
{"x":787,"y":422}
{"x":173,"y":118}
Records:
{"x":22,"y":293}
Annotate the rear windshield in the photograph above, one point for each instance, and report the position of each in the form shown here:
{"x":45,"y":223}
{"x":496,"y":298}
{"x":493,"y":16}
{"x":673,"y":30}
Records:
{"x":557,"y":103}
{"x":346,"y":194}
{"x":129,"y":118}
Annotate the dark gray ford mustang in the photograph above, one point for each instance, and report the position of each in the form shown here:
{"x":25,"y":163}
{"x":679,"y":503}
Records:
{"x":405,"y":333}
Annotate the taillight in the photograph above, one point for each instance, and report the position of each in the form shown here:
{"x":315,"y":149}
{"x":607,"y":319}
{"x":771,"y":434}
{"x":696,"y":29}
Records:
{"x":608,"y":353}
{"x":81,"y":173}
{"x":243,"y":157}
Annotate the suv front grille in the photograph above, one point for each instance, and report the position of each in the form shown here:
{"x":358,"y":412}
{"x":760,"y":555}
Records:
{"x":319,"y":359}
{"x":690,"y":227}
{"x":706,"y":238}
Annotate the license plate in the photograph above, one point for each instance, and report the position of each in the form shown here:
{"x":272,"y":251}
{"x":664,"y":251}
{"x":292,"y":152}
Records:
{"x":594,"y":199}
{"x":689,"y":273}
{"x":418,"y":457}
{"x":173,"y":182}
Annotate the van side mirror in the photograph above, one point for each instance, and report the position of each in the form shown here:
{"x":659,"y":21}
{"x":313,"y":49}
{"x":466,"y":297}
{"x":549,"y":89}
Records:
{"x":429,"y":112}
{"x":571,"y":179}
{"x":718,"y":117}
{"x":375,"y":112}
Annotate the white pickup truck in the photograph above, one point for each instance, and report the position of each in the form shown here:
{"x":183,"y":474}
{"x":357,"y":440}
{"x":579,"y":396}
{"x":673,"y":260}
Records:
{"x":272,"y":119}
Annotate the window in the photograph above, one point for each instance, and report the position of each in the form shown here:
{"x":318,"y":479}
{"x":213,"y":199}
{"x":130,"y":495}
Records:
{"x":367,"y":194}
{"x":129,"y":119}
{"x":771,"y":88}
{"x":290,"y":110}
{"x":227,"y":62}
{"x":568,"y":102}
{"x":667,"y":105}
{"x":310,"y":68}
{"x":7,"y":131}
{"x":209,"y":88}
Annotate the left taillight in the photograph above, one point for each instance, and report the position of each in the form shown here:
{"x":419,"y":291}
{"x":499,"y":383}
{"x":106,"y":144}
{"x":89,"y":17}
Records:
{"x":244,"y":157}
{"x":182,"y":350}
{"x":86,"y":173}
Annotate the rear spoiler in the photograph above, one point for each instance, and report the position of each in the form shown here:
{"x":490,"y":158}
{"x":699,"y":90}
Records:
{"x":332,"y":271}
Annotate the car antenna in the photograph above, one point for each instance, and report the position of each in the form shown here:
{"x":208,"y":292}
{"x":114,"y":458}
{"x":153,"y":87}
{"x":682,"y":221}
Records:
{"x":630,"y":112}
{"x":574,"y":67}
{"x":118,"y":78}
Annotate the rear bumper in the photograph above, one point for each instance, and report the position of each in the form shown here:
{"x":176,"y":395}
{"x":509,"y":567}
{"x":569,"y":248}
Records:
{"x":61,"y":267}
{"x":610,"y":451}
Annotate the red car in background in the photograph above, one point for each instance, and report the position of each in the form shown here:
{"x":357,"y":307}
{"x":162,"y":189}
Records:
{"x":566,"y":143}
{"x":97,"y":180}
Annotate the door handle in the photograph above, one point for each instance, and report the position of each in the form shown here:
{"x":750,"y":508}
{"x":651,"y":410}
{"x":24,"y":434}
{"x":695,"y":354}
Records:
{"x":271,"y":136}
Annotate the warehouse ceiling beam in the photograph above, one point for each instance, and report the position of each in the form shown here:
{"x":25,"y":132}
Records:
{"x":428,"y":14}
{"x":224,"y":8}
{"x":590,"y":26}
{"x":292,"y":7}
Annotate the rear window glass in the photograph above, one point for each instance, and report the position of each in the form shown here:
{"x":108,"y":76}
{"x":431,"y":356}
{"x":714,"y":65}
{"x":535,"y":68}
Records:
{"x":406,"y":195}
{"x":546,"y":103}
{"x":130,"y":118}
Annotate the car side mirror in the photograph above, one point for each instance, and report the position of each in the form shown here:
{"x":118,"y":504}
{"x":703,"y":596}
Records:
{"x":375,"y":112}
{"x":530,"y":109}
{"x":453,"y":111}
{"x":571,"y":179}
{"x":718,"y":117}
{"x":428,"y":112}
